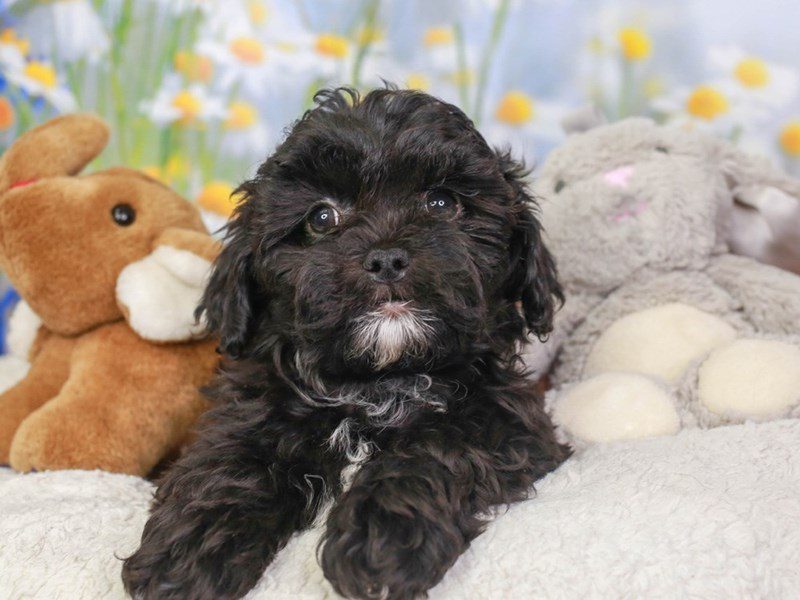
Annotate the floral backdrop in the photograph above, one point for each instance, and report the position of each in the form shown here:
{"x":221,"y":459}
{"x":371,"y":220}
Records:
{"x":199,"y":91}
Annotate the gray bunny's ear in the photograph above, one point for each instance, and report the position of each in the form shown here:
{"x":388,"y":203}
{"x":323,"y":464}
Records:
{"x":583,"y":119}
{"x":746,"y":171}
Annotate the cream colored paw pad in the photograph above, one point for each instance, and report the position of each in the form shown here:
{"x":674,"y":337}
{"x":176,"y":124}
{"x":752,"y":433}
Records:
{"x":660,"y":341}
{"x":616,"y":406}
{"x":755,"y":378}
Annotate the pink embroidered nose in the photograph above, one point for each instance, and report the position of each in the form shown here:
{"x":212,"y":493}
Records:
{"x":619,"y":177}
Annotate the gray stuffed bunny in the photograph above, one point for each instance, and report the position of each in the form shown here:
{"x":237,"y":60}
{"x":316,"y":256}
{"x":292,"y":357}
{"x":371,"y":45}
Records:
{"x":663,"y":328}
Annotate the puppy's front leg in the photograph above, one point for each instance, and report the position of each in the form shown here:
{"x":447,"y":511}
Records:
{"x":414,"y":509}
{"x":393,"y":534}
{"x":229,"y":504}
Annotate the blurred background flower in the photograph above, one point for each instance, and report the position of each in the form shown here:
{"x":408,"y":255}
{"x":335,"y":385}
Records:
{"x":199,"y":91}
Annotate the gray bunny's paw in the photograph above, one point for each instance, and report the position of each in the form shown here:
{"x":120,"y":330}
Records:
{"x":750,"y":379}
{"x":613,"y":407}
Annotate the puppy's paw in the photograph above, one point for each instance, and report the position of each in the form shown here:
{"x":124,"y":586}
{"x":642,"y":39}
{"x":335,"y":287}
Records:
{"x":150,"y":573}
{"x":382,"y":547}
{"x":189,"y":560}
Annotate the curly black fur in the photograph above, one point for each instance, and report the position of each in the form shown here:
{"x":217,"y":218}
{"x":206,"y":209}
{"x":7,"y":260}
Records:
{"x":441,"y":434}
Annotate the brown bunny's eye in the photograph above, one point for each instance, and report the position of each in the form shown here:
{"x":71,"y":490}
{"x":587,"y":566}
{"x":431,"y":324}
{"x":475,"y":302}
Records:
{"x":123,"y":215}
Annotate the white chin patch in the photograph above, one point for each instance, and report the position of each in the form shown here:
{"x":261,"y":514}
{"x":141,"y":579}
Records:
{"x":391,"y":332}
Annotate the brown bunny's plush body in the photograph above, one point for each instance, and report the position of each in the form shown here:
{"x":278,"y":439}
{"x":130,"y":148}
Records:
{"x":110,"y":267}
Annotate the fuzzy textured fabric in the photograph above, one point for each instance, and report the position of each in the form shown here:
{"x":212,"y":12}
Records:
{"x":110,"y":267}
{"x":638,"y":219}
{"x":714,"y":514}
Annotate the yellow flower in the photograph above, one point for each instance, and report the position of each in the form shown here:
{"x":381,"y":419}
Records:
{"x":330,"y":44}
{"x":241,"y":115}
{"x":248,"y":50}
{"x":217,"y":197}
{"x":194,"y":67}
{"x":515,"y":108}
{"x":257,"y":11}
{"x":188,"y":105}
{"x":752,"y":73}
{"x":706,"y":103}
{"x":635,"y":44}
{"x":370,"y":35}
{"x":177,"y":167}
{"x":7,"y":115}
{"x":417,"y":81}
{"x":9,"y":36}
{"x":438,"y":36}
{"x":42,"y":73}
{"x":790,"y":138}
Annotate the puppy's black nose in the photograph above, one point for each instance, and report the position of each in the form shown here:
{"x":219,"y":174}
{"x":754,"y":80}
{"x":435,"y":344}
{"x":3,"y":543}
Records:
{"x":387,"y":265}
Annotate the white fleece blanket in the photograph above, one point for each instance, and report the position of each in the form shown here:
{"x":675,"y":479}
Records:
{"x":705,"y":514}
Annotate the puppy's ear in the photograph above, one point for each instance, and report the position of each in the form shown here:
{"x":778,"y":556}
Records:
{"x":227,"y":300}
{"x":532,"y":278}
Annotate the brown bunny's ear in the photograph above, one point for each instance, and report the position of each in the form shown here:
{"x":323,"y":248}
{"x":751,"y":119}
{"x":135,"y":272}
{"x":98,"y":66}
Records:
{"x":159,"y":294}
{"x":62,"y":146}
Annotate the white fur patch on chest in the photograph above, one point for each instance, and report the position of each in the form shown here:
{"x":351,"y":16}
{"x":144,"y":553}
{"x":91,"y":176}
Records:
{"x":356,"y":449}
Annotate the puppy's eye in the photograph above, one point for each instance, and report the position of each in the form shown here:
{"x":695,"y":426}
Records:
{"x":323,"y":218}
{"x":662,"y":149}
{"x":442,"y":204}
{"x":560,"y":185}
{"x":123,"y":214}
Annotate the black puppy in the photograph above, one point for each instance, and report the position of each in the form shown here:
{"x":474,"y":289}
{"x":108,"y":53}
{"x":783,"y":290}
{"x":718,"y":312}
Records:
{"x":368,"y":299}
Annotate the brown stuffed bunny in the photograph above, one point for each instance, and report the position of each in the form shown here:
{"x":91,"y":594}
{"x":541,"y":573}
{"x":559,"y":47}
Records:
{"x":110,"y":267}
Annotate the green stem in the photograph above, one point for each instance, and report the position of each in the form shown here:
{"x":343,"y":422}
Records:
{"x":121,"y":31}
{"x":461,"y":66}
{"x":75,"y":74}
{"x":165,"y":145}
{"x":498,"y":23}
{"x":625,"y":104}
{"x":370,"y":18}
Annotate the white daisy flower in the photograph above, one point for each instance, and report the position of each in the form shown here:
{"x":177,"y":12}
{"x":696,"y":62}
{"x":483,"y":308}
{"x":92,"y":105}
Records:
{"x":13,"y":50}
{"x":715,"y":106}
{"x":615,"y":66}
{"x":190,"y":105}
{"x":40,"y":80}
{"x":228,"y":20}
{"x":440,"y":53}
{"x":244,"y":134}
{"x":240,"y":58}
{"x":525,"y":123}
{"x":67,"y":30}
{"x":323,"y":55}
{"x":767,"y":83}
